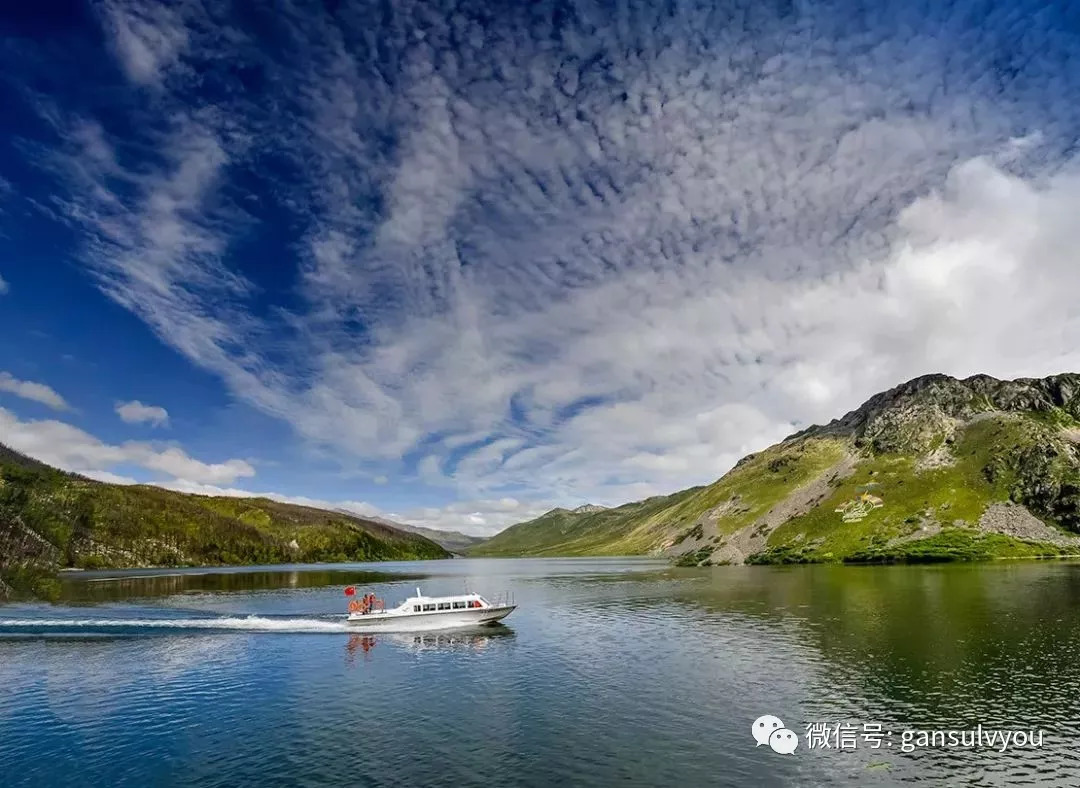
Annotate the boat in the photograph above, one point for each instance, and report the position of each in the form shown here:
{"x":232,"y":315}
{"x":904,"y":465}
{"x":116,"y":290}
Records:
{"x":426,"y":613}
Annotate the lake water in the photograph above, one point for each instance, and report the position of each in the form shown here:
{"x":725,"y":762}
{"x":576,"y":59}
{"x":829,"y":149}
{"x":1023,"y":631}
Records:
{"x":612,"y":671}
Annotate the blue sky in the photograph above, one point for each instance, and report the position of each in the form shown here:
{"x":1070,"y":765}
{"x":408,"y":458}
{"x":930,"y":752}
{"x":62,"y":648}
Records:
{"x":456,"y":263}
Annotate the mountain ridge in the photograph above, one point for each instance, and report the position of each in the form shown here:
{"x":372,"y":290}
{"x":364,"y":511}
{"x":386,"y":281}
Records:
{"x":454,"y":541}
{"x":51,"y":519}
{"x":935,"y":468}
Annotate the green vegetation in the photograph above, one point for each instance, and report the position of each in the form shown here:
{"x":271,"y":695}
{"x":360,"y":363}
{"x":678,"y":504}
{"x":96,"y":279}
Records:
{"x":754,"y":486}
{"x":50,"y":519}
{"x":936,"y":469}
{"x":626,"y":530}
{"x":985,"y":466}
{"x":954,"y":544}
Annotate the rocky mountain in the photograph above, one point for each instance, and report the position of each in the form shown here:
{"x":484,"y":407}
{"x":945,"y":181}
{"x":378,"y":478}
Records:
{"x":934,"y":469}
{"x":588,"y":508}
{"x":51,"y":520}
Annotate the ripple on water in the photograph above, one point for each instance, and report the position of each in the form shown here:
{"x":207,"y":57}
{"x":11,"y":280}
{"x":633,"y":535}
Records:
{"x":603,"y":675}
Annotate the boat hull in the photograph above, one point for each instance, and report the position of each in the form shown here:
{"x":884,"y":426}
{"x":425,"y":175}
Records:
{"x":430,"y":621}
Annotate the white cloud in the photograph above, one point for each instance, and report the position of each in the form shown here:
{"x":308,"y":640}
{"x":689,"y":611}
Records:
{"x":476,"y":518}
{"x":36,"y":392}
{"x":67,"y":447}
{"x":106,"y":476}
{"x":147,"y":38}
{"x":135,"y":412}
{"x":484,"y":517}
{"x":634,"y":263}
{"x":4,"y":286}
{"x":360,"y":508}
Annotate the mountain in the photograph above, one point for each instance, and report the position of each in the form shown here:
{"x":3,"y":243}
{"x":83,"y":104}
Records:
{"x":50,"y":520}
{"x":626,"y":530}
{"x":454,"y":541}
{"x":934,"y":469}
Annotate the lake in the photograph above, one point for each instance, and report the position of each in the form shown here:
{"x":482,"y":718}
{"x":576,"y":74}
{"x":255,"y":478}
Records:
{"x":612,"y":671}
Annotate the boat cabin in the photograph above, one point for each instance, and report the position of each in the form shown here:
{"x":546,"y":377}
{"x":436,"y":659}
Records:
{"x":369,"y":604}
{"x":420,"y":604}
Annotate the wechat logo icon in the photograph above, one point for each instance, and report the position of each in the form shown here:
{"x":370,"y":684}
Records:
{"x":770,"y":730}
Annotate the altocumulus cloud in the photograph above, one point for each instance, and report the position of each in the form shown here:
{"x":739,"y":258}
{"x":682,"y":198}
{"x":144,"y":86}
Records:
{"x":584,"y":250}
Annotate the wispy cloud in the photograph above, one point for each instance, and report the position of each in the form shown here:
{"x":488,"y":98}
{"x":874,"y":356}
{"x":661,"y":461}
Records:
{"x":4,"y":286}
{"x":35,"y":392}
{"x":135,"y":412}
{"x":147,"y":38}
{"x":67,"y":447}
{"x":476,"y":518}
{"x":595,"y":254}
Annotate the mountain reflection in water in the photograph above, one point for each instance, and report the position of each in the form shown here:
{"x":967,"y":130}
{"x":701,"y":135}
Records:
{"x":612,"y":671}
{"x":93,"y":587}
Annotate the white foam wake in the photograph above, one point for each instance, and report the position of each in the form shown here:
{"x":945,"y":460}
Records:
{"x":246,"y":623}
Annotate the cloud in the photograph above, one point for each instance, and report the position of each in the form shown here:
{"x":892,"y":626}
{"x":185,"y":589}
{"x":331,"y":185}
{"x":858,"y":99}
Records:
{"x":4,"y":286}
{"x":552,"y":257}
{"x":36,"y":392}
{"x":485,"y":517}
{"x":147,"y":38}
{"x":359,"y":508}
{"x":476,"y":518}
{"x":135,"y":412}
{"x":67,"y":447}
{"x":108,"y":477}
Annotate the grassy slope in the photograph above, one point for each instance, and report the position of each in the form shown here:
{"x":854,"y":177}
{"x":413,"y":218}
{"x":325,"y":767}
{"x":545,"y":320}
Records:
{"x":49,"y":518}
{"x":763,"y":480}
{"x":648,"y":525}
{"x":954,"y":496}
{"x":984,"y":471}
{"x":561,"y":532}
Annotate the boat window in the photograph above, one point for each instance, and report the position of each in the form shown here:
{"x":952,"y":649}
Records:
{"x":416,"y":608}
{"x":458,"y":605}
{"x":429,"y":607}
{"x":444,"y":606}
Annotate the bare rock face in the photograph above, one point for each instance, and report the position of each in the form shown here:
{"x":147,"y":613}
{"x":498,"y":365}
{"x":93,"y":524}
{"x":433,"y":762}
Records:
{"x":915,"y":415}
{"x":922,"y":416}
{"x":1016,"y":521}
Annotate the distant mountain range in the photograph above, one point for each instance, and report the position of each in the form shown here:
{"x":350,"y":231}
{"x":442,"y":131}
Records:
{"x":934,"y":469}
{"x":454,"y":541}
{"x":50,"y":519}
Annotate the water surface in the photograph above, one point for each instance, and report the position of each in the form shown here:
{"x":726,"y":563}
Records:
{"x":611,"y":671}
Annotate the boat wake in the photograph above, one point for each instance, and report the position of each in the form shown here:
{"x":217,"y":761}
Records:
{"x":58,"y":626}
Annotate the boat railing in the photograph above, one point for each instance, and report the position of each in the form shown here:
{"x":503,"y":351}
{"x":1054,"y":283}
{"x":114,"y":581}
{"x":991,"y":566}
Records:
{"x":503,"y":599}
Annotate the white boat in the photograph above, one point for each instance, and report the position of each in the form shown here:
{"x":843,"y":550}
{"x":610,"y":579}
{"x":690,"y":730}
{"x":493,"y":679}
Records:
{"x":426,"y":613}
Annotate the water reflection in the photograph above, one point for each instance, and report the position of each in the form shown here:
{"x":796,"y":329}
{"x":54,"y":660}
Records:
{"x":956,"y":644}
{"x":604,"y":676}
{"x":97,"y":588}
{"x":477,"y":639}
{"x":358,"y":644}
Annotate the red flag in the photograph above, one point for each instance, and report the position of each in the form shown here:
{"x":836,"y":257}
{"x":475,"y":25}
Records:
{"x":349,"y":591}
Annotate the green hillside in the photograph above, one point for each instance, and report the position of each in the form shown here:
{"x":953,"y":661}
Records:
{"x":50,"y":519}
{"x":934,"y":469}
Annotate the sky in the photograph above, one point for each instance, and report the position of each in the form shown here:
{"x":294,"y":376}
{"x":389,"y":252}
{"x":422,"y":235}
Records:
{"x":456,"y":263}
